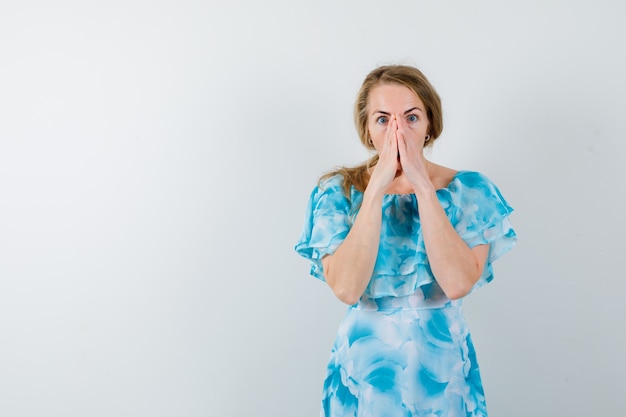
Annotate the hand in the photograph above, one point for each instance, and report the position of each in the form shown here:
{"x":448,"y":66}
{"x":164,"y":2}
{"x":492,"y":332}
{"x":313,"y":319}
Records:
{"x":388,"y":166}
{"x":410,"y":149}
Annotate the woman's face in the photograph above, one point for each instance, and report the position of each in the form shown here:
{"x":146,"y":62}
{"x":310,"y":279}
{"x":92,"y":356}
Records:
{"x":388,"y":100}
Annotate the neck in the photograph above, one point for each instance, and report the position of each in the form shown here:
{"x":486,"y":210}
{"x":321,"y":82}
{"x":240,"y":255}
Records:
{"x":400,"y":185}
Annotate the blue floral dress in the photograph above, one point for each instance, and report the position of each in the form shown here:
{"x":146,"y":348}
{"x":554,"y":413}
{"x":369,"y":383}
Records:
{"x":405,"y":349}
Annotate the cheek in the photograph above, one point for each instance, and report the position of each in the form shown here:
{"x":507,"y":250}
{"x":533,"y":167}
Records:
{"x":377,"y":132}
{"x":373,"y":131}
{"x":377,"y":138}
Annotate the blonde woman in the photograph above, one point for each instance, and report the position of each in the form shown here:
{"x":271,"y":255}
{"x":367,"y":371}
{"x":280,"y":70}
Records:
{"x":402,"y":241}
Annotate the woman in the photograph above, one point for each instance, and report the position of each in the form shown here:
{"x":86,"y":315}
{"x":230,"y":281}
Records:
{"x":402,"y":240}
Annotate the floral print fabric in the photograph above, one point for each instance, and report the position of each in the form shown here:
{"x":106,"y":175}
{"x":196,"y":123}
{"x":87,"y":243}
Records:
{"x":405,"y":349}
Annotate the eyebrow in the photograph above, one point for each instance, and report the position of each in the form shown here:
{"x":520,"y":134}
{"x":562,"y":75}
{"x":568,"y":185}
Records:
{"x":406,"y":112}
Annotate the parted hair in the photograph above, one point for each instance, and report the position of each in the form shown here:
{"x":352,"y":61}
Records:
{"x":404,"y":75}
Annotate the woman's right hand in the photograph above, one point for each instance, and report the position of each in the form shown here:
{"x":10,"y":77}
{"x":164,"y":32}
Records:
{"x":388,"y":166}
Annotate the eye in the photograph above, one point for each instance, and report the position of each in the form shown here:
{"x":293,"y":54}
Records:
{"x":381,"y":120}
{"x":412,"y":118}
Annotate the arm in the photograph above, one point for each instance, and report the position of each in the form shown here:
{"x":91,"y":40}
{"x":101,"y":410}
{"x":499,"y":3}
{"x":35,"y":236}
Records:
{"x":456,"y":267}
{"x":349,"y":270}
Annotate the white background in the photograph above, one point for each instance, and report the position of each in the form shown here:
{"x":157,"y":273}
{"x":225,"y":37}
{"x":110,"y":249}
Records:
{"x":156,"y":159}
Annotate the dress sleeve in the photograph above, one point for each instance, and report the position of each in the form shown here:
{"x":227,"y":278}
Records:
{"x":483,"y":218}
{"x":326,"y":224}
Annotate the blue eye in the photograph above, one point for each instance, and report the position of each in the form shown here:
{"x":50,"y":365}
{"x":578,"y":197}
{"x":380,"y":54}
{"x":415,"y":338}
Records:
{"x":381,"y":120}
{"x":412,"y":118}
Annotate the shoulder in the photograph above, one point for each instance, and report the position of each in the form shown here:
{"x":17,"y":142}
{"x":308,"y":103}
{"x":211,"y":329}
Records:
{"x":472,"y":187}
{"x":473,"y":181}
{"x":328,"y":194}
{"x":330,"y":182}
{"x":441,"y":176}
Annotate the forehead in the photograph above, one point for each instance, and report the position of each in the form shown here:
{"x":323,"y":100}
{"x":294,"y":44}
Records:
{"x":393,"y":97}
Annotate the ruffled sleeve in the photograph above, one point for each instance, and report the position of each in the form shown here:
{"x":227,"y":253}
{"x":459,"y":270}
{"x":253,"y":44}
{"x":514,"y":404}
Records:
{"x":326,"y":224}
{"x":481,"y":216}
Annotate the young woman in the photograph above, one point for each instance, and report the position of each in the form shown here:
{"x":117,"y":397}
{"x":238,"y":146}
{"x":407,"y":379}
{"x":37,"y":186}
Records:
{"x":402,"y":240}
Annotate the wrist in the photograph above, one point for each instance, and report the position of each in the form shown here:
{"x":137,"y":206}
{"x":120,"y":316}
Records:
{"x":372,"y":196}
{"x":424,"y":190}
{"x":374,"y":190}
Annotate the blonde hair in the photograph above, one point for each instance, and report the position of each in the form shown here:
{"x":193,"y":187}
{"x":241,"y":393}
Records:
{"x":404,"y":75}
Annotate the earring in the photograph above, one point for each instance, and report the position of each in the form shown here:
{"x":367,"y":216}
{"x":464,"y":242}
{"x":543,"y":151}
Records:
{"x":427,"y":138}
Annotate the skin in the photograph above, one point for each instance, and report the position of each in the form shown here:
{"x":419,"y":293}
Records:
{"x":398,"y":125}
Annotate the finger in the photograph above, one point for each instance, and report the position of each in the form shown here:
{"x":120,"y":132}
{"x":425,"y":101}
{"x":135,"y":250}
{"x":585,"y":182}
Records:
{"x":390,"y":135}
{"x":401,"y":122}
{"x":402,"y":147}
{"x":398,"y":122}
{"x":386,"y":142}
{"x":401,"y":140}
{"x":393,"y":126}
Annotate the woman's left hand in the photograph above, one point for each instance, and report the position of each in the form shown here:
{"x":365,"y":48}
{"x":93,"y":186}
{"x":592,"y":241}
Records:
{"x":410,"y":149}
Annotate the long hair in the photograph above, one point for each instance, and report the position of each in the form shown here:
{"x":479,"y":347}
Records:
{"x":404,"y":75}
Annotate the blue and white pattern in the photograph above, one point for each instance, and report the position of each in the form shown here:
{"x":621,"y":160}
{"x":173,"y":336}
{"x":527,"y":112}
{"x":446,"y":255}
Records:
{"x":405,"y":349}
